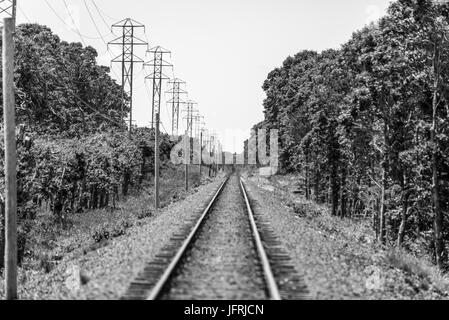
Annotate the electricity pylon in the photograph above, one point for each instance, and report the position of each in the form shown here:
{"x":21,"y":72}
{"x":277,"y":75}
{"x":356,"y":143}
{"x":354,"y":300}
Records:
{"x":191,"y":115}
{"x":199,"y":125}
{"x":158,"y":64}
{"x":127,"y":58}
{"x":8,"y":8}
{"x":213,"y":141}
{"x":176,"y":91}
{"x":207,"y":141}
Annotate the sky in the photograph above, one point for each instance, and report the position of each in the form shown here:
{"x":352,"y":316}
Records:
{"x":223,"y":49}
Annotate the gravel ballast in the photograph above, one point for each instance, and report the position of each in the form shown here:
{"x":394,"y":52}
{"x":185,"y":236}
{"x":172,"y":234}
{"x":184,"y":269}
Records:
{"x":337,"y":258}
{"x":222,"y":263}
{"x":105,"y":273}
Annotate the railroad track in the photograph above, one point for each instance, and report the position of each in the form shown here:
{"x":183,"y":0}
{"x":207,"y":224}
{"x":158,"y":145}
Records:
{"x":228,"y":252}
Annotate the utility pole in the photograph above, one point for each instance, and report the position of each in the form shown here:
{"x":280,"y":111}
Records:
{"x":14,"y":12}
{"x":209,"y":151}
{"x":156,"y":163}
{"x":188,"y":138}
{"x":127,"y":58}
{"x":158,"y":63}
{"x":201,"y":130}
{"x":9,"y":115}
{"x":187,"y":158}
{"x":176,"y":101}
{"x":198,"y":124}
{"x":201,"y":154}
{"x":212,"y":152}
{"x":216,"y":156}
{"x":223,"y":159}
{"x":206,"y":148}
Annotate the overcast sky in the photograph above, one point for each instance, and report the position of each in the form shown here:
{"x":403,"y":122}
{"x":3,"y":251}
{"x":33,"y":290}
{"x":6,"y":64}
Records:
{"x":223,"y":49}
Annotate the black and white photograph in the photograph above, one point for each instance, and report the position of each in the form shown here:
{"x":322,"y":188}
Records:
{"x":224,"y":155}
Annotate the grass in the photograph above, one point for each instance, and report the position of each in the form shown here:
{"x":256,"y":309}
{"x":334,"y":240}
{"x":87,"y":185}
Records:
{"x":426,"y":273}
{"x":418,"y":272}
{"x":50,"y":241}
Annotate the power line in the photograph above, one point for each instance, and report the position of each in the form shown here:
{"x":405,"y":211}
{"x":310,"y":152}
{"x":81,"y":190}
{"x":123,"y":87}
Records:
{"x":138,"y":74}
{"x":67,"y":89}
{"x":68,"y":26}
{"x":163,"y":127}
{"x":158,"y":64}
{"x":168,"y":112}
{"x":73,"y":21}
{"x":101,"y":36}
{"x":101,"y":11}
{"x":23,"y":13}
{"x":111,"y":68}
{"x":99,"y":33}
{"x":149,"y":96}
{"x":101,"y":15}
{"x":95,"y":24}
{"x":127,"y":58}
{"x":146,"y":37}
{"x":79,"y":33}
{"x":96,"y":113}
{"x":76,"y":81}
{"x":176,"y":101}
{"x":64,"y":66}
{"x":192,"y":114}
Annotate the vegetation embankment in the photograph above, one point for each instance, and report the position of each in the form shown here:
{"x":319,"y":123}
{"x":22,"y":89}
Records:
{"x":366,"y":126}
{"x":340,"y":258}
{"x":76,"y":161}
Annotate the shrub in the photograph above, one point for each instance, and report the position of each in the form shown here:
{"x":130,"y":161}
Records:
{"x":144,"y":213}
{"x":100,"y":233}
{"x":120,"y":228}
{"x":408,"y":264}
{"x":45,"y":263}
{"x":306,"y":209}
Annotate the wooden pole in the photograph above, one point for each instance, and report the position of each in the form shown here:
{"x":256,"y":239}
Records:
{"x":156,"y":163}
{"x":201,"y":154}
{"x":186,"y":159}
{"x":10,"y":161}
{"x":216,"y":159}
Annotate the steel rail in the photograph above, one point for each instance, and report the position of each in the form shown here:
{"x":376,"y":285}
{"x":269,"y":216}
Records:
{"x":157,"y":289}
{"x":272,"y":287}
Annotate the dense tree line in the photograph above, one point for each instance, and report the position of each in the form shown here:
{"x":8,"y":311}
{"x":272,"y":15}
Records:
{"x":367,"y":125}
{"x":74,"y":153}
{"x":60,"y":88}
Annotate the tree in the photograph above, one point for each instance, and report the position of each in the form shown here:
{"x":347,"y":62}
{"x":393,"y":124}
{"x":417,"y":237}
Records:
{"x":366,"y":126}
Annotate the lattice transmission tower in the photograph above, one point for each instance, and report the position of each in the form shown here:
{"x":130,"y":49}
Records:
{"x":191,"y":114}
{"x":8,"y":8}
{"x":157,"y":64}
{"x":213,"y":141}
{"x":176,"y":101}
{"x":199,"y":125}
{"x":201,"y":128}
{"x":128,"y":41}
